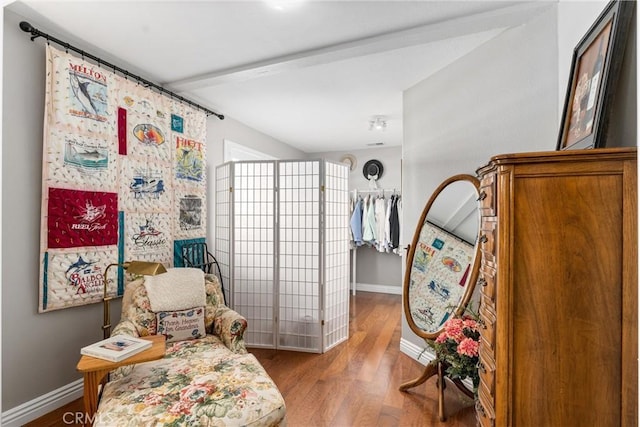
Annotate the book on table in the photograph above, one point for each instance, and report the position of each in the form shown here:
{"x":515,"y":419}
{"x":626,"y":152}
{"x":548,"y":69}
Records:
{"x":116,"y":348}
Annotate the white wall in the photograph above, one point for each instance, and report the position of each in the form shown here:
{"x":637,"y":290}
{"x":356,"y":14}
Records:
{"x":375,"y":271}
{"x":502,"y":97}
{"x":233,"y":130}
{"x":39,"y":351}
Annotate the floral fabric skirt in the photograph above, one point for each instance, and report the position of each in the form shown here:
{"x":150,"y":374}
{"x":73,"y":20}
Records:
{"x":198,"y":383}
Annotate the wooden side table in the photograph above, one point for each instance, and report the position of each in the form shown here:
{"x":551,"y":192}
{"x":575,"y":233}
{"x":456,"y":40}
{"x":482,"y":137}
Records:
{"x":95,"y":370}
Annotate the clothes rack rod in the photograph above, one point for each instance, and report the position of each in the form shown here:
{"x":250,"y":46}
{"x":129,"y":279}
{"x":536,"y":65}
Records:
{"x":35,"y":33}
{"x":380,"y":191}
{"x":376,"y":191}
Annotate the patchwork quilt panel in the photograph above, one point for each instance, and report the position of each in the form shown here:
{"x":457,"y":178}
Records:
{"x":124,"y":178}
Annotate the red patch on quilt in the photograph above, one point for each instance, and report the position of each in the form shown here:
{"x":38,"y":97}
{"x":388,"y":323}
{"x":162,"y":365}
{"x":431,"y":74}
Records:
{"x":81,"y":218}
{"x":122,"y":131}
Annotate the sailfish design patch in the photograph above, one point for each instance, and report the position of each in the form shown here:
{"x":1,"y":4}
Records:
{"x":88,"y":92}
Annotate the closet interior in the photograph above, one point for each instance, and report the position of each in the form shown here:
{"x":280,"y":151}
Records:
{"x":375,"y":221}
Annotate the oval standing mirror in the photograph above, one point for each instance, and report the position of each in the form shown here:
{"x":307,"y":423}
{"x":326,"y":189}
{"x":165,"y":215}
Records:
{"x":442,"y":269}
{"x":444,"y":258}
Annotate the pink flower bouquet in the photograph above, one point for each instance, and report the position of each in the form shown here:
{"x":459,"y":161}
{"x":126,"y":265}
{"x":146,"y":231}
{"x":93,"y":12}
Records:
{"x":457,"y":347}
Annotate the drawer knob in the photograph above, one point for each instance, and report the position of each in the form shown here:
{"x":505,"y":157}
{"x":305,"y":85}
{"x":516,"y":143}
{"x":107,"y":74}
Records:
{"x":480,"y":409}
{"x":482,"y":196}
{"x":483,"y":413}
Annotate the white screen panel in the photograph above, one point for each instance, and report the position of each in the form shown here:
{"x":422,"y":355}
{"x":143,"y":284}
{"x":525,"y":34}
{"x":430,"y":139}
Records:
{"x":223,"y":225}
{"x":253,"y":240}
{"x":299,"y":256}
{"x":336,"y":265}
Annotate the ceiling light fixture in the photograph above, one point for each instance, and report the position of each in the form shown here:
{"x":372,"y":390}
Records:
{"x":283,"y":5}
{"x":378,"y":123}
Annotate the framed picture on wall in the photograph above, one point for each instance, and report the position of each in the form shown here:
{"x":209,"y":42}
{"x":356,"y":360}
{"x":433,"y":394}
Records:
{"x":595,"y":67}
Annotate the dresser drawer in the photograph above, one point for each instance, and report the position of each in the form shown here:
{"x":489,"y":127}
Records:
{"x":488,"y":239}
{"x":487,"y":370}
{"x":488,"y":282}
{"x":484,"y":409}
{"x":487,"y":195}
{"x":487,"y":323}
{"x":487,"y":310}
{"x":487,"y":333}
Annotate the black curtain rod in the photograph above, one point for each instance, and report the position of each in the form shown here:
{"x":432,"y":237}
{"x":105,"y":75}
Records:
{"x":35,"y":33}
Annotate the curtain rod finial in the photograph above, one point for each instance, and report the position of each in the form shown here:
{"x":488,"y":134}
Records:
{"x":26,"y":27}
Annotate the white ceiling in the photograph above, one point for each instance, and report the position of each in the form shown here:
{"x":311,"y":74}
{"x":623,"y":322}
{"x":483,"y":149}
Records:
{"x":309,"y":73}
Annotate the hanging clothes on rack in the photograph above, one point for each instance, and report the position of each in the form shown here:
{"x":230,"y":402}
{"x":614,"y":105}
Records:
{"x":394,"y":223}
{"x":382,"y":244}
{"x":375,"y":220}
{"x":369,"y":221}
{"x":387,"y":222}
{"x":398,"y":249}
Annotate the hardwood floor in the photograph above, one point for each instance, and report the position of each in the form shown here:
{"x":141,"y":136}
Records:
{"x":64,"y":416}
{"x":354,"y":384}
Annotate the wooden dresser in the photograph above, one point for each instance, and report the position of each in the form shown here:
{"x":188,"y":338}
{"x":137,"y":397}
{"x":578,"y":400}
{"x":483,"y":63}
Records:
{"x":559,"y":282}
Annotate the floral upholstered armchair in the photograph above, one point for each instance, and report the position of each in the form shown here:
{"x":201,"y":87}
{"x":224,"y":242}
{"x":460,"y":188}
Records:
{"x":207,"y":377}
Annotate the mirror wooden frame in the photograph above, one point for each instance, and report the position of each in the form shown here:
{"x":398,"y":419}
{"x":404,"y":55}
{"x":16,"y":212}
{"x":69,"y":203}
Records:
{"x":435,"y":367}
{"x":473,"y":272}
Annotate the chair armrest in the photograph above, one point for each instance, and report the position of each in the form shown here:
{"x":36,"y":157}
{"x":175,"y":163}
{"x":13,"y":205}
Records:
{"x":230,"y":327}
{"x":125,"y":327}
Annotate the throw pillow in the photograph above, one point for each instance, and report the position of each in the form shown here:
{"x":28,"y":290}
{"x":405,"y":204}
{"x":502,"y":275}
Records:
{"x":181,"y":325}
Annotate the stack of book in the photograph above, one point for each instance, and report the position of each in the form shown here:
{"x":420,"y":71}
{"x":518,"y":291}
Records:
{"x":116,"y":348}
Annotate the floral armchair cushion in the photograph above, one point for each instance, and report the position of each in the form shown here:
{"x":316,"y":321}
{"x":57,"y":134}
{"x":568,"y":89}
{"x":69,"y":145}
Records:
{"x":138,"y":319}
{"x":196,"y":384}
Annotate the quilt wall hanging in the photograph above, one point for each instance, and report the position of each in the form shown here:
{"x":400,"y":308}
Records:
{"x":123,"y":179}
{"x":439,"y":272}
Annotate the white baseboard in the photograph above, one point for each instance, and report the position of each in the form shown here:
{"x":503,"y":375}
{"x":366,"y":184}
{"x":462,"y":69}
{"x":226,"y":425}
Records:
{"x":417,"y":353}
{"x":382,"y":289}
{"x":423,"y":356}
{"x":44,"y":404}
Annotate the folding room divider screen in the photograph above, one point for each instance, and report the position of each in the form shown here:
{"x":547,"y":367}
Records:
{"x":282,"y":241}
